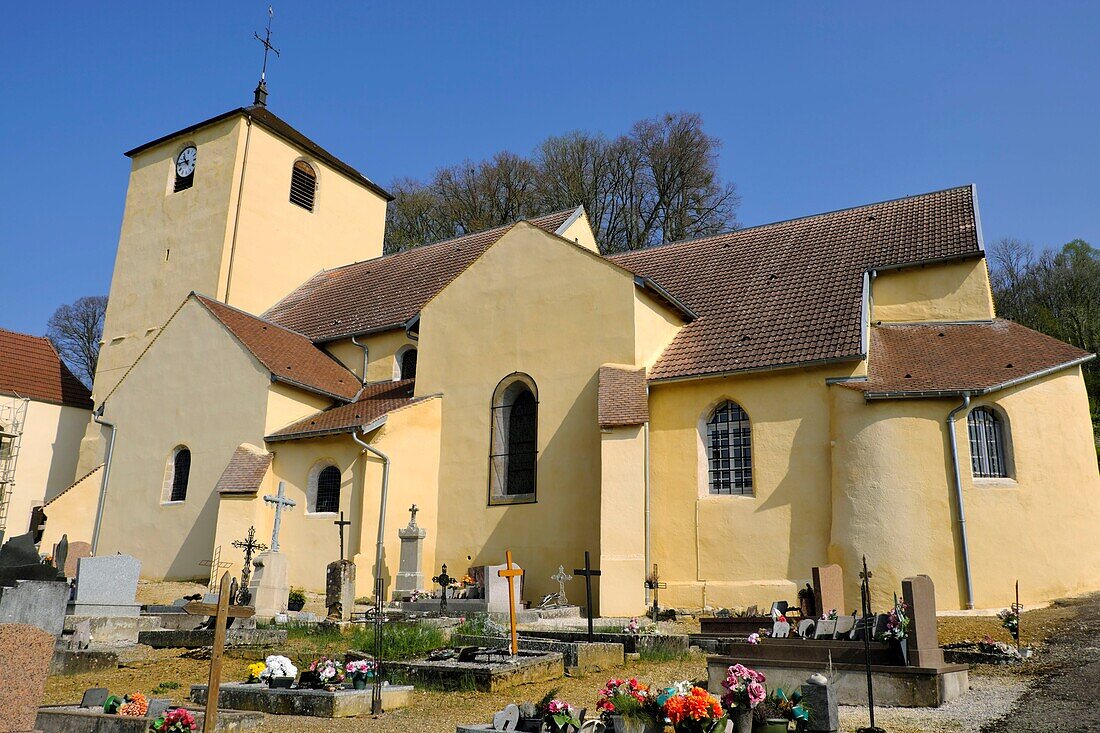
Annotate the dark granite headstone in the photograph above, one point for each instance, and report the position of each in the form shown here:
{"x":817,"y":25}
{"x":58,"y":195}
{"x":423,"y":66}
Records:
{"x":19,"y":560}
{"x":94,"y":697}
{"x":158,"y":706}
{"x":821,"y":701}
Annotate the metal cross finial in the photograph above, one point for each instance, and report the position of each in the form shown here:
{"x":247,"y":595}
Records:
{"x":446,"y":581}
{"x":280,"y":501}
{"x":341,"y":523}
{"x":261,"y":88}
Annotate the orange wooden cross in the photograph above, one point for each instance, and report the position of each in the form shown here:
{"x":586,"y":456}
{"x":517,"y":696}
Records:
{"x":511,"y":574}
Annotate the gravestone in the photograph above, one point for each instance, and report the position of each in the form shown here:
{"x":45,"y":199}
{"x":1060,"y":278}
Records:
{"x":781,"y":630}
{"x":496,"y":590}
{"x":77,"y":550}
{"x":38,"y":603}
{"x":825,"y":629}
{"x":779,"y":608}
{"x":106,"y":586}
{"x":26,"y":652}
{"x":94,"y":697}
{"x":507,"y":719}
{"x":806,"y":627}
{"x":828,"y":589}
{"x":81,"y":637}
{"x":919,"y":594}
{"x":157,"y":707}
{"x":269,"y":586}
{"x":821,"y":701}
{"x":340,"y":589}
{"x":19,"y":560}
{"x":844,"y":626}
{"x":410,"y":574}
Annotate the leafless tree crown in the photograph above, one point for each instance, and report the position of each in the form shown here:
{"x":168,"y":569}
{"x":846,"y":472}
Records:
{"x":75,"y":331}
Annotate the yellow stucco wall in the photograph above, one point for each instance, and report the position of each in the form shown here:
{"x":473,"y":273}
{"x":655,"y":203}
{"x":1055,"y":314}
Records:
{"x":893,"y":496}
{"x":287,"y":404}
{"x":655,"y":325}
{"x":741,"y":550}
{"x":382,"y":351}
{"x":470,"y":340}
{"x":622,"y":531}
{"x":580,"y":232}
{"x":72,"y":512}
{"x":47,"y":458}
{"x":196,"y":386}
{"x":951,"y":291}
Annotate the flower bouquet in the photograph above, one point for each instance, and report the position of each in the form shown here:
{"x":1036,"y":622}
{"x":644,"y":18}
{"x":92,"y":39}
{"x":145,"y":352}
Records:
{"x":323,"y":673}
{"x":360,"y":671}
{"x":897,"y":630}
{"x":744,"y":691}
{"x":176,"y":721}
{"x":279,"y":672}
{"x":629,"y":706}
{"x":1010,"y":619}
{"x":255,"y":672}
{"x":560,"y":716}
{"x":691,"y":709}
{"x":135,"y":705}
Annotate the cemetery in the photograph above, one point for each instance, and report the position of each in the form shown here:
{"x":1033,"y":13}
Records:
{"x":806,"y":662}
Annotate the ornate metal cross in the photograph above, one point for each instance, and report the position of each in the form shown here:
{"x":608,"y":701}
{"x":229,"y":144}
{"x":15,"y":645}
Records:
{"x":340,"y":524}
{"x":446,"y":581}
{"x":280,"y":501}
{"x":561,"y":576}
{"x":653,"y":583}
{"x":511,"y":574}
{"x":250,"y":546}
{"x":588,"y":574}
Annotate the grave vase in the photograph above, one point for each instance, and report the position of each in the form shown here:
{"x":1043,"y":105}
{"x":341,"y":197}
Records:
{"x":741,"y":719}
{"x":634,"y":725}
{"x":359,"y":680}
{"x":900,"y":648}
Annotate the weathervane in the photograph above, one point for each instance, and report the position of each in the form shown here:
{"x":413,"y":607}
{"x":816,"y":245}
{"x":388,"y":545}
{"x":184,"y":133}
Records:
{"x":261,"y":88}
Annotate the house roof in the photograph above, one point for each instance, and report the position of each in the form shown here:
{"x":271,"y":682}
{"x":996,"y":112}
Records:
{"x":275,"y":124}
{"x":930,"y":359}
{"x":623,"y":399}
{"x":386,"y":292}
{"x":245,"y":471}
{"x":290,"y":357}
{"x":792,"y":292}
{"x":374,"y":401}
{"x":30,"y":367}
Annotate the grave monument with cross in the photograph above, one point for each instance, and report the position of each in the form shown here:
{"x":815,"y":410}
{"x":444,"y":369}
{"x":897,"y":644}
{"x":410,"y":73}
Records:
{"x":557,"y":600}
{"x":510,"y":574}
{"x":270,"y":586}
{"x":865,"y":576}
{"x":250,"y":547}
{"x":221,"y":612}
{"x":653,"y":583}
{"x":445,"y":581}
{"x":588,"y":573}
{"x":340,"y":581}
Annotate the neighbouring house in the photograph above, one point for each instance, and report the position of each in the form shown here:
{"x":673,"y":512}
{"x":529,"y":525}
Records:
{"x":733,"y":409}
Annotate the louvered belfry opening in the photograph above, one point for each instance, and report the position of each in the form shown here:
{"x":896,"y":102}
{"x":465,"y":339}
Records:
{"x":303,"y":185}
{"x":183,"y":182}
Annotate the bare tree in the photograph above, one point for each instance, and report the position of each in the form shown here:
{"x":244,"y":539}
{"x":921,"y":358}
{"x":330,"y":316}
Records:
{"x":75,"y":331}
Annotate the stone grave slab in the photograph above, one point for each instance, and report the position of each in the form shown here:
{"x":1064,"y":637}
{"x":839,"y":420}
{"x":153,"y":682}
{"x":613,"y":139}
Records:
{"x":343,"y":703}
{"x":26,"y":651}
{"x":269,"y":584}
{"x":580,"y":657}
{"x":828,"y":589}
{"x":71,"y":719}
{"x":66,"y":661}
{"x":38,"y":603}
{"x":491,"y":670}
{"x":106,"y":586}
{"x":197,"y":638}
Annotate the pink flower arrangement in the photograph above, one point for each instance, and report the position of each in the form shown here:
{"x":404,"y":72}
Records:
{"x":744,"y":687}
{"x":360,"y":666}
{"x":620,"y":688}
{"x":177,"y":721}
{"x":754,"y":638}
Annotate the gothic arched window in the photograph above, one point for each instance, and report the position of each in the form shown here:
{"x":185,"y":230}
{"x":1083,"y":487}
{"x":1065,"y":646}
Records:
{"x":988,"y":458}
{"x":177,"y":474}
{"x":303,"y":185}
{"x":514,"y":448}
{"x":326,"y":490}
{"x":408,"y":364}
{"x":729,"y":450}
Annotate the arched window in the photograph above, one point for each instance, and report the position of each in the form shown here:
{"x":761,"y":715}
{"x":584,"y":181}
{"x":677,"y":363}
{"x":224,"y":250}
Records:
{"x":323,"y":492}
{"x":177,"y":474}
{"x":514,"y":455}
{"x":729,"y":450}
{"x":407,"y":363}
{"x":303,"y":185}
{"x":988,"y":458}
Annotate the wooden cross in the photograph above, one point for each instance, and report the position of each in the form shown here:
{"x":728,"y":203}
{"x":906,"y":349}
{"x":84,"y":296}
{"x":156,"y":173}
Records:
{"x":588,"y":574}
{"x":341,"y":523}
{"x":221,"y":611}
{"x":511,"y":574}
{"x":249,"y":545}
{"x":653,"y":583}
{"x":216,"y":565}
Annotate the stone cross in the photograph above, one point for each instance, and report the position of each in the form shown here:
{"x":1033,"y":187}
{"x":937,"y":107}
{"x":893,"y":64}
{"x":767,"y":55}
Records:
{"x":340,"y":524}
{"x":280,"y":501}
{"x":561,"y":576}
{"x":588,"y":574}
{"x":221,"y":611}
{"x":653,"y":583}
{"x":511,"y":574}
{"x":249,"y":545}
{"x":446,"y":581}
{"x":412,"y":511}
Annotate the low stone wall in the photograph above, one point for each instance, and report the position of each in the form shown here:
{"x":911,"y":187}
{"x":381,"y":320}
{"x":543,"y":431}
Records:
{"x":66,"y":661}
{"x":197,"y":638}
{"x":579,"y":657}
{"x":114,"y":629}
{"x":73,"y":719}
{"x":346,"y":703}
{"x":670,"y":643}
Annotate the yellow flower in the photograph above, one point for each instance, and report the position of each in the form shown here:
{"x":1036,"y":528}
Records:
{"x":254,"y":670}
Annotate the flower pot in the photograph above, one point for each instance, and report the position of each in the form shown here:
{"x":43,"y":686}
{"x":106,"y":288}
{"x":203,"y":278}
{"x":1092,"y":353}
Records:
{"x":741,"y":719}
{"x":295,"y":605}
{"x":280,"y":683}
{"x":900,"y":648}
{"x":771,"y":725}
{"x":634,"y":725}
{"x":529,"y":725}
{"x":359,"y":681}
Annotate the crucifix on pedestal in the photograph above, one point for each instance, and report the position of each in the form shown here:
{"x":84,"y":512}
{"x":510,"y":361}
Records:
{"x":588,"y":574}
{"x":340,"y":524}
{"x":653,"y":583}
{"x":511,"y":574}
{"x":280,"y":501}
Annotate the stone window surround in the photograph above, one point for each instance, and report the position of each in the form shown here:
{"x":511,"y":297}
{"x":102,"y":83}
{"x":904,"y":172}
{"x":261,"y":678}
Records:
{"x":703,"y":459}
{"x":311,"y":488}
{"x":498,"y":437}
{"x":170,"y":475}
{"x":1008,"y":481}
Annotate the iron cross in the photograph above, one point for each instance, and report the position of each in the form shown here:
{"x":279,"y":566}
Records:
{"x":446,"y":581}
{"x":588,"y":574}
{"x":412,"y":511}
{"x":249,"y":545}
{"x":266,"y":41}
{"x":280,"y":501}
{"x":341,"y":523}
{"x":653,"y":583}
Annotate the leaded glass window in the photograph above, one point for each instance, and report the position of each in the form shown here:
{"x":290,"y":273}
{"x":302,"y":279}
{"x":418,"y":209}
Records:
{"x":729,"y":450}
{"x":513,"y":458}
{"x":987,"y":444}
{"x":328,"y":490}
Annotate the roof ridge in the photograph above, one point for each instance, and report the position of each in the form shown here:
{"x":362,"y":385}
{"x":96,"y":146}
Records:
{"x":755,"y":227}
{"x":27,"y":335}
{"x":206,"y":298}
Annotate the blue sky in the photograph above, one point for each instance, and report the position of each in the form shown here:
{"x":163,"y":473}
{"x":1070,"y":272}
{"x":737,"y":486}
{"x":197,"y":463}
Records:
{"x":819,"y":105}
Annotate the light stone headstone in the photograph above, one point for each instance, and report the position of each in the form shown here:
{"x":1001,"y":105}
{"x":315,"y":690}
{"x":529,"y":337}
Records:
{"x":496,"y":589}
{"x":844,"y":626}
{"x":269,"y":584}
{"x":38,"y":603}
{"x":825,"y":629}
{"x":506,"y":719}
{"x":106,"y":586}
{"x":340,"y":589}
{"x":410,"y":573}
{"x":81,"y":637}
{"x":828,"y":589}
{"x":157,"y":707}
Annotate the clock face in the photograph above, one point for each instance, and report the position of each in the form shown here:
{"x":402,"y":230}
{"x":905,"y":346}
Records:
{"x":185,"y":163}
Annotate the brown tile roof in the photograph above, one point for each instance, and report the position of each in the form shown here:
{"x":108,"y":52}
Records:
{"x":289,"y":356}
{"x":387,"y":291}
{"x":245,"y":471}
{"x":277,"y":125}
{"x":952,"y":358}
{"x":792,"y":292}
{"x":375,"y":401}
{"x":622,"y":396}
{"x":30,"y":367}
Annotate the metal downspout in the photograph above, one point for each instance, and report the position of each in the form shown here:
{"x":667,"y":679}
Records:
{"x":382,"y":507}
{"x":648,"y":501}
{"x":959,"y":497}
{"x":365,"y":360}
{"x":97,"y":417}
{"x":376,"y":699}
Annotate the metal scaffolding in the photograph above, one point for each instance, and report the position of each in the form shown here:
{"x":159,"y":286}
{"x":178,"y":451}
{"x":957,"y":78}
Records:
{"x":13,"y":412}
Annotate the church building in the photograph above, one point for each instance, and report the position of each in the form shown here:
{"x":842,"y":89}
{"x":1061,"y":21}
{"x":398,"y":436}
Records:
{"x":732,"y":410}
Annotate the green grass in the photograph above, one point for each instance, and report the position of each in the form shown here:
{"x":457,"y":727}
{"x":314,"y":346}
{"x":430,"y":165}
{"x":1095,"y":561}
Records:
{"x":399,"y":641}
{"x":480,"y":624}
{"x":163,"y":687}
{"x":660,"y":654}
{"x":318,"y":634}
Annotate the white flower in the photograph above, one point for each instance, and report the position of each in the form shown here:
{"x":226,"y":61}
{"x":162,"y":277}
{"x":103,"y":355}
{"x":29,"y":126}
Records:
{"x":278,"y":666}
